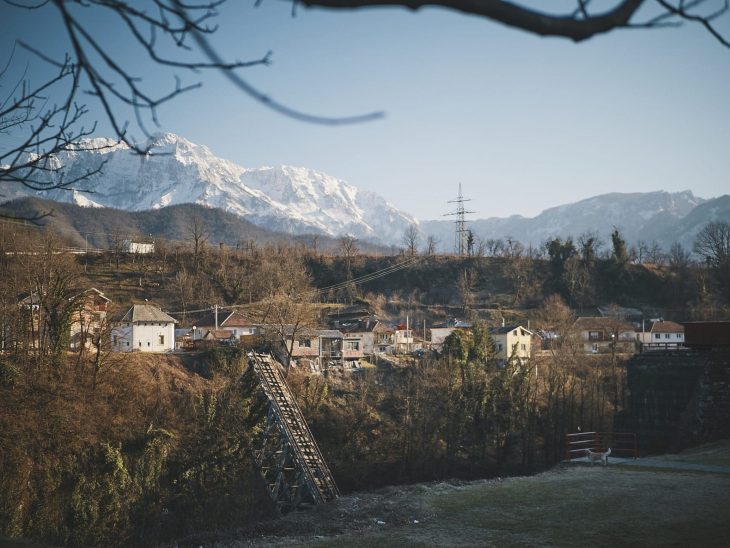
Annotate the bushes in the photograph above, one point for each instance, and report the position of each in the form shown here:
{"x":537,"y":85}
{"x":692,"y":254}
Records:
{"x":152,"y":454}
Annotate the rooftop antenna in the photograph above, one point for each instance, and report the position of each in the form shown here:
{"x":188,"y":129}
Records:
{"x":460,"y":237}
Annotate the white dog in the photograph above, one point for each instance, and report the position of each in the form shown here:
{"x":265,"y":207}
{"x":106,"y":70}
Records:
{"x":595,"y":456}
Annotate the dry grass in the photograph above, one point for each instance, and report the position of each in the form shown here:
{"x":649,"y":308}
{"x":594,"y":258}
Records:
{"x":715,"y":454}
{"x":133,"y":392}
{"x":568,"y":506}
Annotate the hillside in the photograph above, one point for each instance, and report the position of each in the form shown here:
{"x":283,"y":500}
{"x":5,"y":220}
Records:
{"x":148,"y":451}
{"x":100,"y":227}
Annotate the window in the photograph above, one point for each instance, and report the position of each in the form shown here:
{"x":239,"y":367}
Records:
{"x":594,"y":335}
{"x":148,"y":343}
{"x":162,"y":339}
{"x":305,"y":343}
{"x":679,"y":335}
{"x":523,"y":346}
{"x":140,"y":343}
{"x":499,"y":347}
{"x":657,"y":336}
{"x":114,"y":342}
{"x":352,"y":345}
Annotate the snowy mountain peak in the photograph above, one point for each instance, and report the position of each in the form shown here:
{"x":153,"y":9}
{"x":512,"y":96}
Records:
{"x":175,"y":171}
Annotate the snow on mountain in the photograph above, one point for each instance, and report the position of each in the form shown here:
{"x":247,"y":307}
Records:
{"x":176,"y":171}
{"x":644,"y":216}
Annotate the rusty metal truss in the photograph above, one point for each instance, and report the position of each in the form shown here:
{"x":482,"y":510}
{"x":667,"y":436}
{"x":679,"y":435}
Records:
{"x":286,"y":453}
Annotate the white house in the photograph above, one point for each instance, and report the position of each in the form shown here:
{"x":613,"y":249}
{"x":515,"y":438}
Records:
{"x":440,"y":333}
{"x":144,"y":328}
{"x":661,"y":334}
{"x":512,"y":341}
{"x":130,"y":246}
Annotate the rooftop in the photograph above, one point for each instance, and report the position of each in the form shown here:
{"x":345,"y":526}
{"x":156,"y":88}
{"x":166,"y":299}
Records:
{"x":147,"y":313}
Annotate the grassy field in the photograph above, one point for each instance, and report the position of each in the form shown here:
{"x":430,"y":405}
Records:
{"x":576,"y":505}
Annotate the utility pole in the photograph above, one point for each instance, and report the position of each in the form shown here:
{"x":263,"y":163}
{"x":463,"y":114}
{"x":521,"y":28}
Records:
{"x":461,"y":231}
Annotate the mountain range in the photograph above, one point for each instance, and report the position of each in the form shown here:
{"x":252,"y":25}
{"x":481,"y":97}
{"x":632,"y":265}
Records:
{"x":298,"y":200}
{"x":288,"y":199}
{"x":661,"y":217}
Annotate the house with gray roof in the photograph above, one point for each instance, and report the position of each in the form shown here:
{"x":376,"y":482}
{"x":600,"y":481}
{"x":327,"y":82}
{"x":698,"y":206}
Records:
{"x":603,"y":335}
{"x":144,"y":328}
{"x":316,"y":348}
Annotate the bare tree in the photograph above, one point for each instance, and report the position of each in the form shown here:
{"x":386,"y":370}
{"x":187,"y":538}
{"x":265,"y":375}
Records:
{"x":577,"y":23}
{"x":199,"y":235}
{"x":431,"y":243}
{"x":512,"y":248}
{"x":495,"y":247}
{"x":348,"y":247}
{"x":713,"y":245}
{"x":466,"y":284}
{"x":35,"y":133}
{"x":679,"y":258}
{"x":286,"y":308}
{"x":411,"y":239}
{"x":655,"y":254}
{"x":481,"y":247}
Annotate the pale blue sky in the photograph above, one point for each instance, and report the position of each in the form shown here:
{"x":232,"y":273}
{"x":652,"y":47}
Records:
{"x":523,"y":123}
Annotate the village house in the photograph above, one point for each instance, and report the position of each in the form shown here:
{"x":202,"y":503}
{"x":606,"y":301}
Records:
{"x":359,"y":322}
{"x":144,"y":328}
{"x":89,"y":318}
{"x":404,"y":341}
{"x":352,"y":350}
{"x":236,"y":324}
{"x":219,"y":337}
{"x":316,"y":348}
{"x":88,"y":314}
{"x":603,"y":335}
{"x":184,"y":338}
{"x":661,"y":335}
{"x":383,"y":339}
{"x":361,"y":333}
{"x":441,"y":332}
{"x":510,"y":342}
{"x":138,"y":247}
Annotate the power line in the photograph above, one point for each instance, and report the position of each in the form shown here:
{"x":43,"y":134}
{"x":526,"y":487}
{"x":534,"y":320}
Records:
{"x":460,"y":243}
{"x":315,"y":292}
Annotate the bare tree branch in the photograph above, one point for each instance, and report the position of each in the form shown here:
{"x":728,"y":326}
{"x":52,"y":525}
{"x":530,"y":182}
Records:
{"x":514,"y":15}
